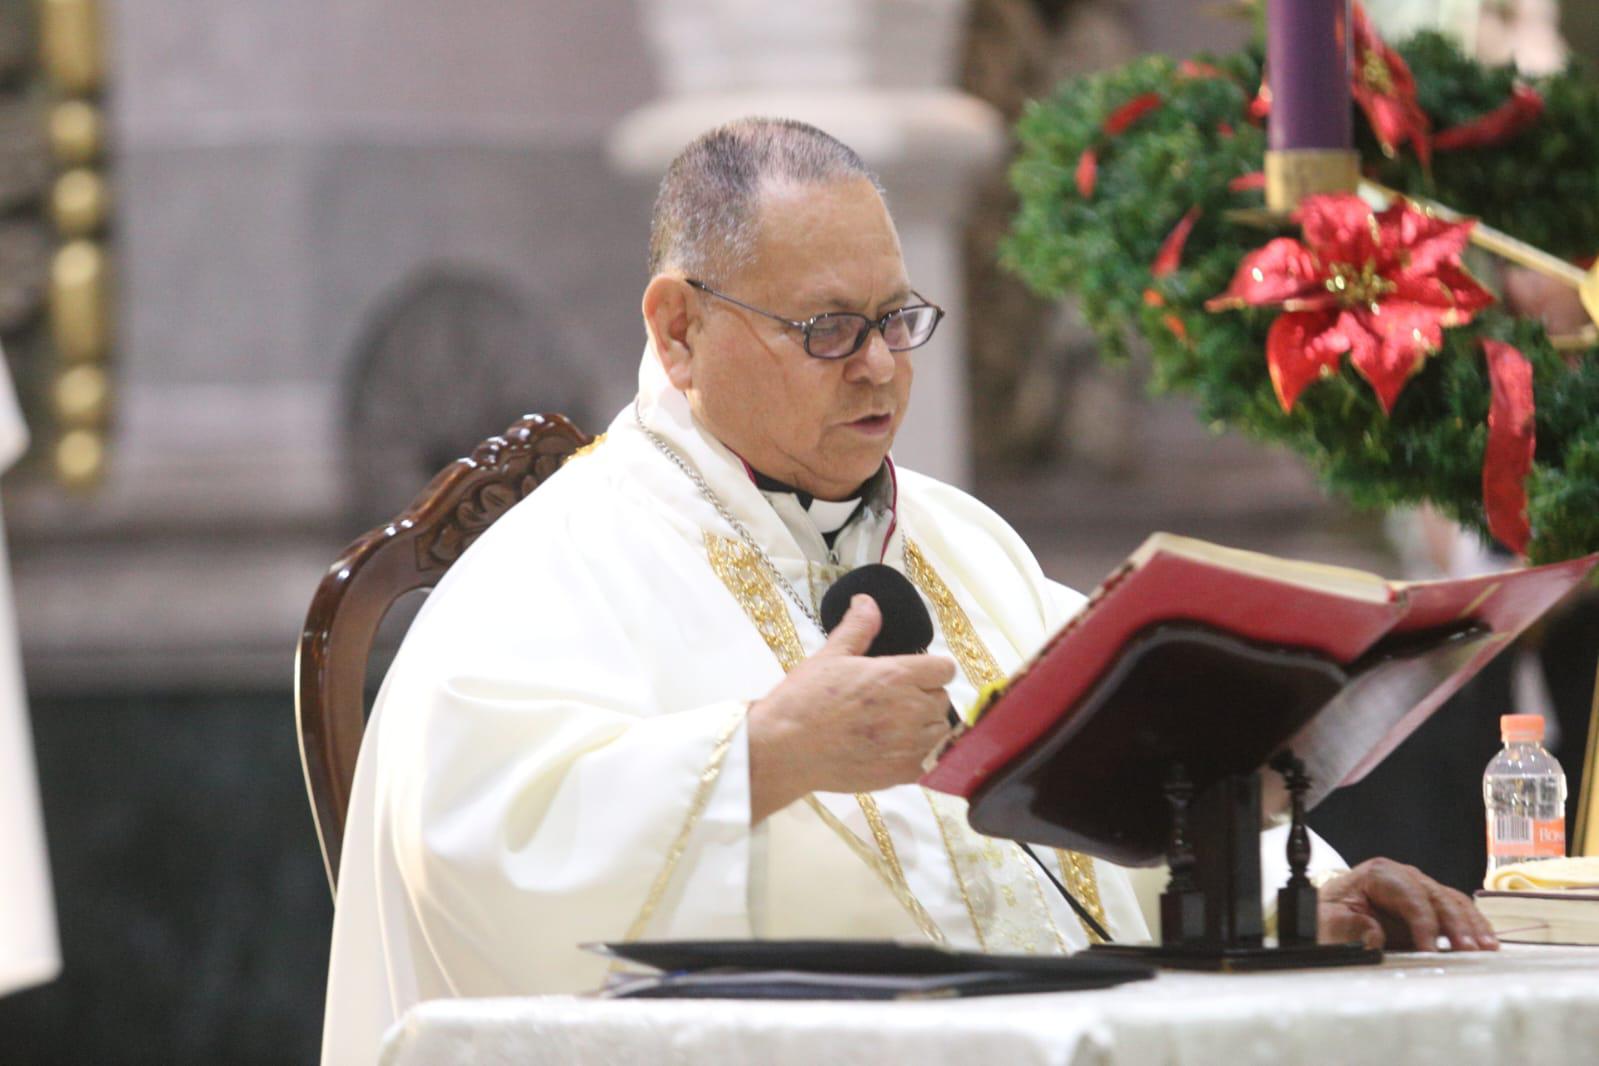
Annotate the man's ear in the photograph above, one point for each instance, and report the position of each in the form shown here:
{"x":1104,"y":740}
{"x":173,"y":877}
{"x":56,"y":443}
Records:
{"x":669,"y":313}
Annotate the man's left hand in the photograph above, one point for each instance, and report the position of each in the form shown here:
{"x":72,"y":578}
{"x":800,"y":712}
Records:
{"x":1383,"y":903}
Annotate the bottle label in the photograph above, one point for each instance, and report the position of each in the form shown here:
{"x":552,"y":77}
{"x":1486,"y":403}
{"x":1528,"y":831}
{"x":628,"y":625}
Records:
{"x":1512,"y":836}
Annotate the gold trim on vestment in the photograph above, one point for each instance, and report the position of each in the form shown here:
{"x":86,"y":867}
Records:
{"x":885,"y":843}
{"x":739,"y":568}
{"x":696,"y":808}
{"x":968,"y":648}
{"x":586,"y":449}
{"x":954,"y":863}
{"x":981,"y":669}
{"x":972,"y":856}
{"x":1077,"y":870}
{"x":891,"y":874}
{"x":1038,"y":893}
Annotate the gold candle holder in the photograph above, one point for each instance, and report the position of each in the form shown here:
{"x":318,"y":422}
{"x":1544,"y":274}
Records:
{"x":1295,"y":173}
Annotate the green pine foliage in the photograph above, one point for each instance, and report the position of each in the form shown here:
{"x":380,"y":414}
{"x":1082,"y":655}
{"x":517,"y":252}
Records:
{"x":1543,"y":188}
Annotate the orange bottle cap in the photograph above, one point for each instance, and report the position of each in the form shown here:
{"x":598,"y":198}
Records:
{"x":1520,"y":727}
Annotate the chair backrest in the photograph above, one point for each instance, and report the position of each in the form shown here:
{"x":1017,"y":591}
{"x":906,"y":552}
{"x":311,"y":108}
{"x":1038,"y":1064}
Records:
{"x":411,"y":552}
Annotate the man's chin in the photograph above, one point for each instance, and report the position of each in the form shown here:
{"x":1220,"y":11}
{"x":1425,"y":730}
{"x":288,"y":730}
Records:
{"x":850,"y":477}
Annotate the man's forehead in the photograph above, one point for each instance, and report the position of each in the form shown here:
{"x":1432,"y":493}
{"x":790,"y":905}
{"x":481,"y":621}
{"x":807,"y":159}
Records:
{"x":833,"y":297}
{"x":826,"y":243}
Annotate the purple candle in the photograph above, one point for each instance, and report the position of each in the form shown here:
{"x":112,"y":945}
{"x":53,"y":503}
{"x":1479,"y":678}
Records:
{"x":1307,"y":66}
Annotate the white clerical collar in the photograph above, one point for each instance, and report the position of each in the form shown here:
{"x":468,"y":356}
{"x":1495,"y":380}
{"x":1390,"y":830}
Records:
{"x":875,"y":495}
{"x":831,"y":516}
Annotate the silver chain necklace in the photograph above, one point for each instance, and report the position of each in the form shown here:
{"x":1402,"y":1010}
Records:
{"x":727,"y":516}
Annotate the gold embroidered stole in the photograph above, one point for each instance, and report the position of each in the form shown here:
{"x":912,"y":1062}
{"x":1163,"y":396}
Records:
{"x":981,"y":864}
{"x":980,"y":668}
{"x":739,"y":569}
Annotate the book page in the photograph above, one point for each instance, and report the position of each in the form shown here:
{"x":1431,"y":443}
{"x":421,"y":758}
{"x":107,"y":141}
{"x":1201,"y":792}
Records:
{"x":1320,"y":577}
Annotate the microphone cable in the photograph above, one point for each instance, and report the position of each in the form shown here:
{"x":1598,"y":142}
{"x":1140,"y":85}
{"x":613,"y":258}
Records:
{"x":1081,"y":911}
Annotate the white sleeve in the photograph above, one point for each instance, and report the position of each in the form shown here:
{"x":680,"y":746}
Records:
{"x":537,"y":821}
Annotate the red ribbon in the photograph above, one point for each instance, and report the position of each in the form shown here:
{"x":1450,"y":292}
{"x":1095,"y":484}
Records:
{"x":1087,"y":172}
{"x":1170,"y":255}
{"x":1497,"y":127}
{"x":1511,"y":442}
{"x":1195,"y":68}
{"x":1129,"y":113}
{"x":1167,"y":260}
{"x":1114,"y":126}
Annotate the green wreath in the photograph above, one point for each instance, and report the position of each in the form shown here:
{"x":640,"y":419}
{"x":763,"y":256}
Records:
{"x":1190,"y":151}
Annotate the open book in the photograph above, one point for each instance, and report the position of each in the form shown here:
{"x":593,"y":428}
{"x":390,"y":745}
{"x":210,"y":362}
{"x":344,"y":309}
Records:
{"x":1212,"y":659}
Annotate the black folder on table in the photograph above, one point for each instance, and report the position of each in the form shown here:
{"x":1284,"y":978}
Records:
{"x":849,"y":969}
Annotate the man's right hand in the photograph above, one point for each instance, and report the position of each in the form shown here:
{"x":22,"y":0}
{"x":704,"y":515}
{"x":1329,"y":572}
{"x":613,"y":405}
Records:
{"x":841,"y":722}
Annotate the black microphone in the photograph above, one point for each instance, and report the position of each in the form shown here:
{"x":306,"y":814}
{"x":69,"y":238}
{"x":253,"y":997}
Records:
{"x":907,"y":627}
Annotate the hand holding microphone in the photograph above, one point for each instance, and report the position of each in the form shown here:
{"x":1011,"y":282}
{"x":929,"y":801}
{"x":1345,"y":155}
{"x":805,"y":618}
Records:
{"x":907,"y":628}
{"x":861,"y":713}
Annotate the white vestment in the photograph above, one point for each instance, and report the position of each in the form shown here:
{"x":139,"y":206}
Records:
{"x":558,"y":753}
{"x":29,"y":952}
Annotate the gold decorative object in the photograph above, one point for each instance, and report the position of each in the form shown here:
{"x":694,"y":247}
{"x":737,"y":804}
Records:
{"x":77,"y":133}
{"x":72,"y":53}
{"x":80,"y":202}
{"x":80,"y":458}
{"x":69,"y":35}
{"x":1586,"y":835}
{"x":1295,"y":173}
{"x":80,"y":396}
{"x":79,"y":302}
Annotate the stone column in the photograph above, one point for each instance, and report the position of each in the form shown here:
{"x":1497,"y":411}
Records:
{"x":877,"y":74}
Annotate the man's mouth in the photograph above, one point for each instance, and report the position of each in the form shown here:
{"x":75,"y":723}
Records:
{"x":873,"y":424}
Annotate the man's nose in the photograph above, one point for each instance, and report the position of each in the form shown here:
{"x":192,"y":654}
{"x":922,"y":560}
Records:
{"x":874,"y":363}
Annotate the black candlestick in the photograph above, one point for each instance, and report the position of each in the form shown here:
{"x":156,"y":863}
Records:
{"x":1296,"y":901}
{"x":1182,"y":907}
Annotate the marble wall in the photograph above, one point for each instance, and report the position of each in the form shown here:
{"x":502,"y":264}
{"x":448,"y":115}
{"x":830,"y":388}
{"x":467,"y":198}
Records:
{"x":285,"y":173}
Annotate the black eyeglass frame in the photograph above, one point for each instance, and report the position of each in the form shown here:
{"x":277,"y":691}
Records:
{"x":805,"y":325}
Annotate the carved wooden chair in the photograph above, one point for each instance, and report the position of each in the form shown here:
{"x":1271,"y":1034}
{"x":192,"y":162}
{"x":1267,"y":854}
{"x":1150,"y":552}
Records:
{"x":411,"y":552}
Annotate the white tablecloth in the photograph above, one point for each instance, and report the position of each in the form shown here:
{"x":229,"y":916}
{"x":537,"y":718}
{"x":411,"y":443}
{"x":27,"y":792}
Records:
{"x":1524,"y":1004}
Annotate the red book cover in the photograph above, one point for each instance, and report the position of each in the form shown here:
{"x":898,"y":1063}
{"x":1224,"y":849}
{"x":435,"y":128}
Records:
{"x":1372,"y":658}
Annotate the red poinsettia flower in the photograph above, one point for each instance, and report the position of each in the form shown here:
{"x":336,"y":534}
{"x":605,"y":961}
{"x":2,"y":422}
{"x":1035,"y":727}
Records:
{"x":1378,"y":286}
{"x":1384,"y":88}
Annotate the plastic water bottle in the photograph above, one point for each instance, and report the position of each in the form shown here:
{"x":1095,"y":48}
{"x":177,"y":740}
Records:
{"x":1525,"y":791}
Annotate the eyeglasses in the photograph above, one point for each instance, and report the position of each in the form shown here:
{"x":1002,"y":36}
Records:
{"x":840,"y":334}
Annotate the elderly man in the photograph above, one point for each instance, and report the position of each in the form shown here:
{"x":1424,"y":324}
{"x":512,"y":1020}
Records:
{"x":618,"y":716}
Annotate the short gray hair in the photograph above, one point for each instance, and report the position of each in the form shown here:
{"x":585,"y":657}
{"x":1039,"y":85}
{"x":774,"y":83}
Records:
{"x":706,"y":211}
